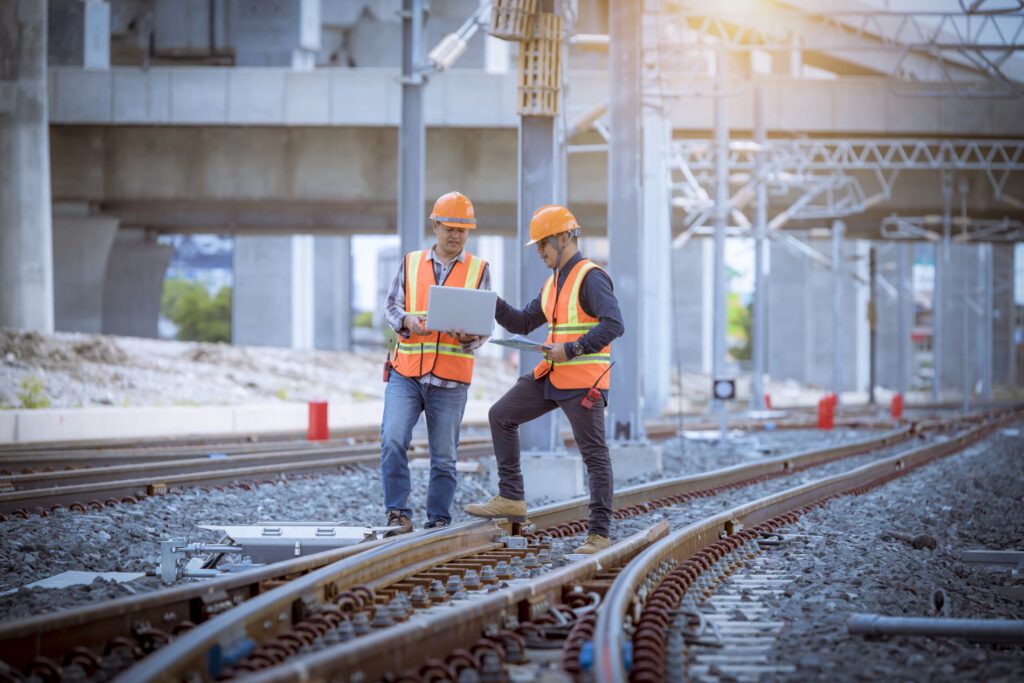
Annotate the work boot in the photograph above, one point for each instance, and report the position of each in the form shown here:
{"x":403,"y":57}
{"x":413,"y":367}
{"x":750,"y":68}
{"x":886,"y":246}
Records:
{"x":513,"y":510}
{"x":397,"y":519}
{"x":594,"y":544}
{"x":436,"y":524}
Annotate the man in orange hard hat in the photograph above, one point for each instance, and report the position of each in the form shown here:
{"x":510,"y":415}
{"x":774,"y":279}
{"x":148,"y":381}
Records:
{"x":582,"y":315}
{"x":428,"y":372}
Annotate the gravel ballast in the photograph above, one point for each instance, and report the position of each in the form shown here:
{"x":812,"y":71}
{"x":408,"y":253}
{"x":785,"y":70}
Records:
{"x":888,"y":552}
{"x":126,"y":538}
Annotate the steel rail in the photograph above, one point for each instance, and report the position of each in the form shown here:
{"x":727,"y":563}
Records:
{"x":270,"y":613}
{"x":184,"y":465}
{"x":94,"y":626}
{"x":621,"y":599}
{"x":101,"y":485}
{"x":403,"y":646}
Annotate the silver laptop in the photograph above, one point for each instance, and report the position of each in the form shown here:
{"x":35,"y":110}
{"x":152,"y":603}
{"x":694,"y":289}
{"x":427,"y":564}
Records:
{"x":458,"y":308}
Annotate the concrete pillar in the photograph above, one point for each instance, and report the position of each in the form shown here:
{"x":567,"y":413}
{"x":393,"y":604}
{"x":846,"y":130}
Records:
{"x":275,"y":33}
{"x":26,"y":252}
{"x":1003,"y":370}
{"x":800,"y":333}
{"x":134,"y":284}
{"x":691,"y":283}
{"x":957,"y":351}
{"x":656,"y":269}
{"x":81,"y":249}
{"x":261,"y":309}
{"x":895,"y":314}
{"x":79,"y":33}
{"x":789,"y":317}
{"x":332,"y":284}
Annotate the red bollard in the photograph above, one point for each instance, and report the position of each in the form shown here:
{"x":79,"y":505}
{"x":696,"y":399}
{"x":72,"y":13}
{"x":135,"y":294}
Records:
{"x":317,"y":421}
{"x":768,"y":401}
{"x":897,"y":406}
{"x":826,"y":406}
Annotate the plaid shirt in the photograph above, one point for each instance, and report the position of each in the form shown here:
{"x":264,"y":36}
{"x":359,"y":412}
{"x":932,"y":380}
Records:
{"x":394,"y":306}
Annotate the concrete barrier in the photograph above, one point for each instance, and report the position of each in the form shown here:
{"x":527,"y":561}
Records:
{"x":76,"y":424}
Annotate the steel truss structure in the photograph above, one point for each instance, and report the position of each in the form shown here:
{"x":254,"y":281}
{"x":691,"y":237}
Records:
{"x":819,"y":168}
{"x":953,"y":47}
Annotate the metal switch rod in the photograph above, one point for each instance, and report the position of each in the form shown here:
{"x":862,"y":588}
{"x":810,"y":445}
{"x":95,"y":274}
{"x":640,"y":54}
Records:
{"x":986,"y":630}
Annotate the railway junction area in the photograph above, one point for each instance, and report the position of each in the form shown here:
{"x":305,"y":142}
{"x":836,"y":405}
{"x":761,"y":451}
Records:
{"x":810,"y":213}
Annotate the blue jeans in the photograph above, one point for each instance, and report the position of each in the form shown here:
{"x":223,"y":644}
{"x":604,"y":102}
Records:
{"x":404,"y":400}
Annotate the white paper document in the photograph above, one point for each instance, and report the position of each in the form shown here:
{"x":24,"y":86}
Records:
{"x":517,"y":341}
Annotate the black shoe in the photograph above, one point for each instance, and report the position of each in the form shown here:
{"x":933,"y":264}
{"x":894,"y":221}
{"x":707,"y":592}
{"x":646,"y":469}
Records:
{"x":436,"y":524}
{"x":402,"y":523}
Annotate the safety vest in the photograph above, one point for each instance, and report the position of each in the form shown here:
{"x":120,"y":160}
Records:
{"x":567,"y":322}
{"x":435,"y":353}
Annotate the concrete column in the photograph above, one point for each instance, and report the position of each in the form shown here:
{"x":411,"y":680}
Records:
{"x":26,"y":252}
{"x":790,"y":320}
{"x":1003,"y":366}
{"x":800,"y":338}
{"x":656,"y":272}
{"x":332,"y":296}
{"x":895,"y":315}
{"x":626,"y":228}
{"x":959,"y":339}
{"x":411,"y":131}
{"x":134,"y":284}
{"x":261,"y":309}
{"x":79,"y":33}
{"x":302,"y":318}
{"x":839,"y":312}
{"x":81,"y":248}
{"x":691,"y":303}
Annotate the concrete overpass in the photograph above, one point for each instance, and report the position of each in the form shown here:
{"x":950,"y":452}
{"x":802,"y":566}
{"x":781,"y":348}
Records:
{"x":272,"y":147}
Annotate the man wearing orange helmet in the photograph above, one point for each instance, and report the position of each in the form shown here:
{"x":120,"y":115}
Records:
{"x":583,"y":317}
{"x":428,"y":372}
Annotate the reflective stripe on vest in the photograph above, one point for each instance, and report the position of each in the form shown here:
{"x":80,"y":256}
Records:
{"x":435,"y":353}
{"x":567,"y":322}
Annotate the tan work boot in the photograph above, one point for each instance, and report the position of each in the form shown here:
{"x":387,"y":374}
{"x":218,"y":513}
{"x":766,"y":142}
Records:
{"x":513,"y":510}
{"x":397,"y":519}
{"x":594,"y":544}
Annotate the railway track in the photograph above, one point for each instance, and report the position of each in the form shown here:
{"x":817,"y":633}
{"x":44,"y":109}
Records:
{"x":104,"y":629}
{"x":107,"y":638}
{"x":659,"y":588}
{"x":96,"y":478}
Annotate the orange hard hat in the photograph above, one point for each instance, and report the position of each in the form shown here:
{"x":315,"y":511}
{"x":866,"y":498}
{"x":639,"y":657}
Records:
{"x":551,"y":219}
{"x":454,"y":210}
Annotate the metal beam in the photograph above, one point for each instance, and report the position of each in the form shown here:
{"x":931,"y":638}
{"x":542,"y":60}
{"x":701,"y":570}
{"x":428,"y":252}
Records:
{"x":719,"y":303}
{"x":760,"y":321}
{"x":625,"y":224}
{"x":838,"y":312}
{"x":411,"y":132}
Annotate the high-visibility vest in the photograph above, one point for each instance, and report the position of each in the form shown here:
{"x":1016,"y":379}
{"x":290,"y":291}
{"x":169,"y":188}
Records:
{"x":567,"y":322}
{"x":435,"y":353}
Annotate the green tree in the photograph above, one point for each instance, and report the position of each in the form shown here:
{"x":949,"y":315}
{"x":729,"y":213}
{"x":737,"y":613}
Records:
{"x":740,"y":322}
{"x":198,"y":316}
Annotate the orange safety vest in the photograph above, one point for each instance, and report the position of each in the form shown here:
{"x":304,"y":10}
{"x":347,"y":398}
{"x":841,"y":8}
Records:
{"x":435,"y":353}
{"x":567,"y":322}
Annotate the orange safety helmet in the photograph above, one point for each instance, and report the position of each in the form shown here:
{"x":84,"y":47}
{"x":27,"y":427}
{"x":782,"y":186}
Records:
{"x":454,"y":210}
{"x":551,"y":219}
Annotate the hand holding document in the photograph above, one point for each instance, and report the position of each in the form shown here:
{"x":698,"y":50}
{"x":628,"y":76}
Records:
{"x":517,"y":341}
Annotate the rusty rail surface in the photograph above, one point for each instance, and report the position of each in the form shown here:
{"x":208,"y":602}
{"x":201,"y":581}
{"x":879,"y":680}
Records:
{"x":101,"y":628}
{"x":694,"y":548}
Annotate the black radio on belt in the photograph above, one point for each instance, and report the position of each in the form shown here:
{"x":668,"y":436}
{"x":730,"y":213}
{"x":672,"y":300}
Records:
{"x":593,"y":393}
{"x":387,"y":365}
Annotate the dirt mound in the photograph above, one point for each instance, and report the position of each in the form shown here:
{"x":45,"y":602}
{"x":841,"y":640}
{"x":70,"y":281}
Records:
{"x":100,"y":350}
{"x":31,"y":347}
{"x":220,"y":354}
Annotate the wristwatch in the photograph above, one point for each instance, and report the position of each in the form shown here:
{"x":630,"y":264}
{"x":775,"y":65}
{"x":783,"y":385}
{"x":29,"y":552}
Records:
{"x":577,"y":348}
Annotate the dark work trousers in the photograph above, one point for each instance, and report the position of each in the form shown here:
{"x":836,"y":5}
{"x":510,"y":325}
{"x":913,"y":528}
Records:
{"x":524,"y":402}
